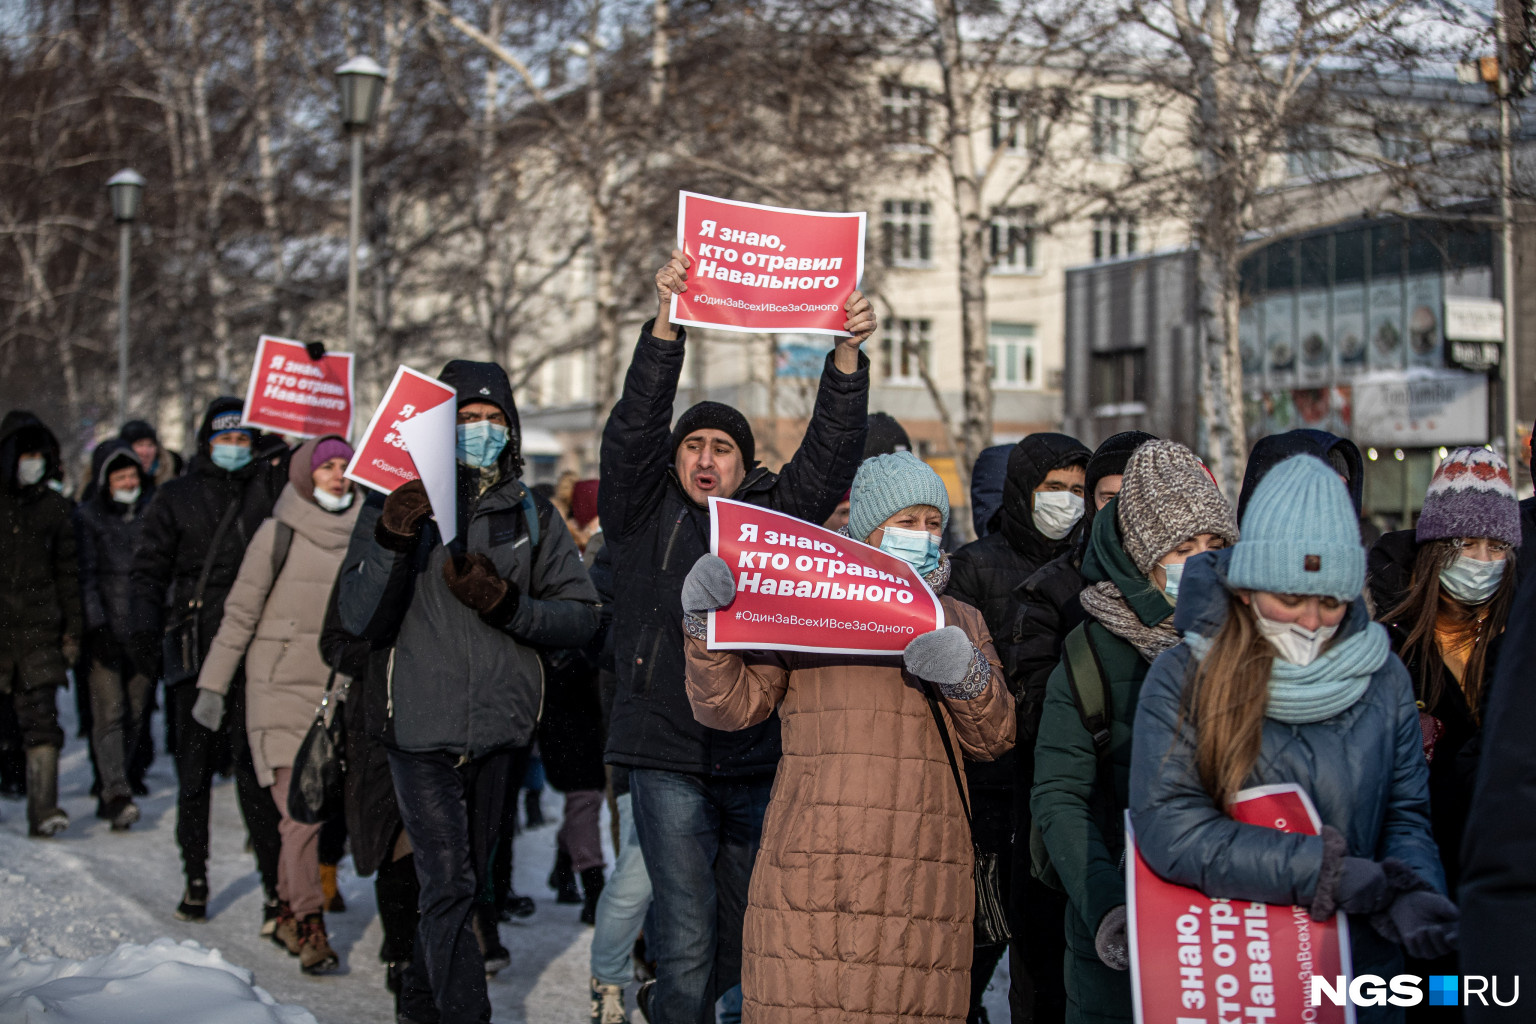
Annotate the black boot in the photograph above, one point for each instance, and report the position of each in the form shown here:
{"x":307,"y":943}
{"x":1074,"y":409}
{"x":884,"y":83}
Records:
{"x":592,"y":887}
{"x":397,"y":891}
{"x":563,"y":880}
{"x":45,"y":818}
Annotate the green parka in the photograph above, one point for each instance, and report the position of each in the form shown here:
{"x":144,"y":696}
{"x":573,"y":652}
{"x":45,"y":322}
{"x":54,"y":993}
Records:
{"x":1078,"y":803}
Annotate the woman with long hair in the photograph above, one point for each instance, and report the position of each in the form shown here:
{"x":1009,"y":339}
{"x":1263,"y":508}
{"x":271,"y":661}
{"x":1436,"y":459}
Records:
{"x":1444,"y":592}
{"x":862,"y":896}
{"x":1284,"y":678}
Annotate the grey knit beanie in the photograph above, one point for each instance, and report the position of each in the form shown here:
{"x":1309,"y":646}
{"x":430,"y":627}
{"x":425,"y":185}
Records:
{"x":886,"y":484}
{"x":1167,"y":498}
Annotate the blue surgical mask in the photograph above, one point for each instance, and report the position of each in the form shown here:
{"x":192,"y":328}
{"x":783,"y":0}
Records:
{"x":1471,"y":581}
{"x":230,"y":457}
{"x":1174,"y":573}
{"x":480,"y":444}
{"x":918,"y":548}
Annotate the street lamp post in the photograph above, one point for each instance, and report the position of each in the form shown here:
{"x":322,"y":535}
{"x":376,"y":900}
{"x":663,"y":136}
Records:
{"x":124,"y":188}
{"x":1505,"y":87}
{"x":362,"y":84}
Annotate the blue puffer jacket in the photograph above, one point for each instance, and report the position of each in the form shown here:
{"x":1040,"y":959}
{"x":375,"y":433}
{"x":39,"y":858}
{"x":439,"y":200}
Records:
{"x":1364,"y":770}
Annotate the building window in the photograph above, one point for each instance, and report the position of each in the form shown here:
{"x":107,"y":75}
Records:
{"x":905,"y":108}
{"x":904,"y":351}
{"x":907,"y":233}
{"x":1015,"y":360}
{"x":1310,"y":155}
{"x":1012,"y":128}
{"x":1119,"y":377}
{"x":1114,"y":128}
{"x":1113,"y":237}
{"x":1013,"y":239}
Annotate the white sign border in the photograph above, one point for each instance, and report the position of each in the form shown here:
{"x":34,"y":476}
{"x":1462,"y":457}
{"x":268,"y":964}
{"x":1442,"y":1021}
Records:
{"x":714,"y":548}
{"x":682,"y":203}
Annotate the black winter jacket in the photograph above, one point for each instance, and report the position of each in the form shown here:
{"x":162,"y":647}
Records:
{"x":39,"y":575}
{"x":1498,"y":855}
{"x":373,"y":815}
{"x":986,"y":573}
{"x":458,"y":684}
{"x":178,"y":531}
{"x":657,"y":533}
{"x":107,"y":533}
{"x":1453,"y":771}
{"x":1049,"y":608}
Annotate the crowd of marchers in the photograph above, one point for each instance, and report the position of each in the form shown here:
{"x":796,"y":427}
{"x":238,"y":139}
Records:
{"x":799,"y":836}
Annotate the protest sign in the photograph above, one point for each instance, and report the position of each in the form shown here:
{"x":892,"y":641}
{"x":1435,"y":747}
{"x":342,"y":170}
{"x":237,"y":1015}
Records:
{"x":803,"y":588}
{"x":762,"y":268}
{"x":1197,"y":960}
{"x":394,"y":450}
{"x":294,"y":394}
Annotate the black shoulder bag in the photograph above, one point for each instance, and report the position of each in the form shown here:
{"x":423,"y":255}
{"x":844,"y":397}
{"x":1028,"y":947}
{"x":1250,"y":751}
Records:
{"x":183,"y":645}
{"x":991,"y":922}
{"x":315,"y":793}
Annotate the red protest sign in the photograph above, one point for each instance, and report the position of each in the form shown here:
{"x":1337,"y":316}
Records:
{"x":1194,"y":958}
{"x":294,"y":394}
{"x":383,"y":461}
{"x":803,"y":588}
{"x":762,"y":268}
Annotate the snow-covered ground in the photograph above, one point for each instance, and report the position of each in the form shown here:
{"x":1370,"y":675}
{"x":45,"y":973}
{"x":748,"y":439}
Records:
{"x":90,"y":890}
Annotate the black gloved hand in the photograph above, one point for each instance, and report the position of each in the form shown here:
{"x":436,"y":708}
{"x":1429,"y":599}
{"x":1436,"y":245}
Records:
{"x":473,"y":579}
{"x":315,"y":350}
{"x":400,"y":523}
{"x":1363,"y":887}
{"x":1423,"y":922}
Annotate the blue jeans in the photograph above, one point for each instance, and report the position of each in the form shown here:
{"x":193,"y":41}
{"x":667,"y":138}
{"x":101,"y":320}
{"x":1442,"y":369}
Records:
{"x":452,"y":814}
{"x":700,"y":834}
{"x":622,"y":906}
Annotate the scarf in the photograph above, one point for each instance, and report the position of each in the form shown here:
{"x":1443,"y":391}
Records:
{"x":1107,"y":604}
{"x":1303,"y":694}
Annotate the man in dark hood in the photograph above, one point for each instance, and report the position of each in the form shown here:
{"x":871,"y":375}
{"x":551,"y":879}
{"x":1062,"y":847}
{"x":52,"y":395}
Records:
{"x":987,"y":478}
{"x":195,"y":533}
{"x":883,"y":435}
{"x":160,"y":463}
{"x":108,"y":526}
{"x":1042,"y":501}
{"x":653,"y":503}
{"x":467,"y":621}
{"x":1340,"y":453}
{"x":40,"y":618}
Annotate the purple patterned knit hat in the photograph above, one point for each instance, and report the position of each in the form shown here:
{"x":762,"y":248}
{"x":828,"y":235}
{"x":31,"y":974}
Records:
{"x":1471,"y":495}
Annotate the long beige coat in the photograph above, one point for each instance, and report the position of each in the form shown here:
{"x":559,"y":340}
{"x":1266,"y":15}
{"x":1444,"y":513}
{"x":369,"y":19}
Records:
{"x":861,"y":899}
{"x":275,"y":624}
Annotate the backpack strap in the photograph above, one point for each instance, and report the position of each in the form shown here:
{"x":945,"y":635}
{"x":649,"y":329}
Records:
{"x":282,"y":540}
{"x":531,"y":516}
{"x":1086,"y":677}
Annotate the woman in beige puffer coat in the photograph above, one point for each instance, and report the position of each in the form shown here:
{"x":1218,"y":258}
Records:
{"x":861,"y":901}
{"x":274,"y":625}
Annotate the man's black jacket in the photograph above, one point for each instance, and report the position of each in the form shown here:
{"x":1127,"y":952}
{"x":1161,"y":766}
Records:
{"x":657,"y":533}
{"x":179,"y":528}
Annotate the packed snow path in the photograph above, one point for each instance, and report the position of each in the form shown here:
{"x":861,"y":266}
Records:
{"x":89,"y":890}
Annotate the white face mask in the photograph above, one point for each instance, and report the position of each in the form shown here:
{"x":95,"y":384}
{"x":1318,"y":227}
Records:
{"x":1470,"y":580}
{"x":30,"y":470}
{"x":1056,"y":512}
{"x":331,"y":502}
{"x":1292,"y":641}
{"x":127,"y":497}
{"x":1173,"y":574}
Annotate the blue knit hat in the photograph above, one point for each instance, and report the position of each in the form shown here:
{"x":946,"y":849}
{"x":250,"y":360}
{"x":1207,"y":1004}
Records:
{"x":886,"y":484}
{"x":1300,"y":534}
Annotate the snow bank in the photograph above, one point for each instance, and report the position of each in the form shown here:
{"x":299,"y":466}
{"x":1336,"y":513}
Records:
{"x":161,"y":983}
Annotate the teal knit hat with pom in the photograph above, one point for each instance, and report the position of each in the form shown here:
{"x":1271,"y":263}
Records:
{"x":886,"y":484}
{"x":1300,"y":534}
